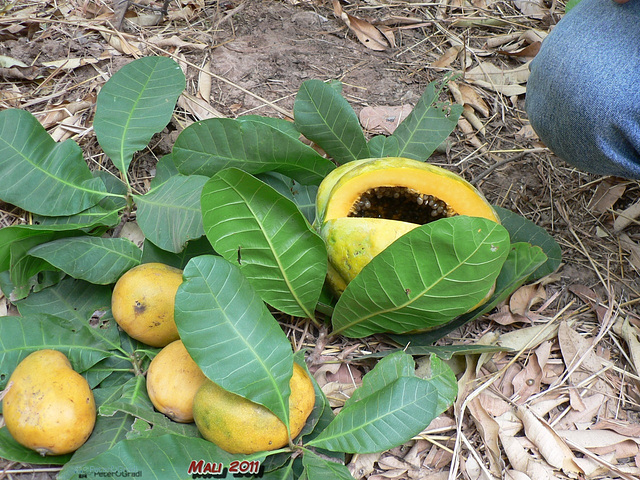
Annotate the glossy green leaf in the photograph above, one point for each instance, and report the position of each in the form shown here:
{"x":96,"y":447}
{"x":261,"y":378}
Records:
{"x":279,"y":124}
{"x":13,"y":451}
{"x":169,"y":214}
{"x":521,"y":262}
{"x":207,"y":147}
{"x":325,"y":117}
{"x":440,"y":375}
{"x":104,"y":214}
{"x":40,"y":175}
{"x":426,"y":278}
{"x":229,"y":332}
{"x":94,"y":259}
{"x":15,"y":243}
{"x":387,"y":371}
{"x":136,"y":402}
{"x":20,"y":336}
{"x":108,"y":433}
{"x":522,"y":229}
{"x":319,"y":468}
{"x":164,"y":457}
{"x":136,"y":103}
{"x":428,"y":125}
{"x":304,"y":196}
{"x":381,"y":146}
{"x":153,"y":253}
{"x":264,"y":233}
{"x":386,"y":418}
{"x":70,"y":298}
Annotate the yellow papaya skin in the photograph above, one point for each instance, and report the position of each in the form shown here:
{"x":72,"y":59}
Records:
{"x":353,"y":241}
{"x":143,"y":301}
{"x":48,"y":407}
{"x":367,"y":237}
{"x":173,"y":379}
{"x":238,"y":425}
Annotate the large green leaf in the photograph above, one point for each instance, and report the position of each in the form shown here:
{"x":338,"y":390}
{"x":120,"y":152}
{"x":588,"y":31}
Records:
{"x":426,"y":127}
{"x":164,"y":457}
{"x":426,"y":278}
{"x":15,"y":243}
{"x":304,"y":196}
{"x":392,"y":407}
{"x":440,"y":375}
{"x":136,"y":103}
{"x":42,"y":176}
{"x":319,"y":468}
{"x":136,"y":402}
{"x":255,"y":227}
{"x":522,"y":229}
{"x":521,"y":262}
{"x":20,"y":336}
{"x":152,"y":253}
{"x":13,"y":451}
{"x":104,"y":214}
{"x":70,"y":298}
{"x":169,"y":214}
{"x":207,"y":147}
{"x":229,"y":332}
{"x":324,"y":116}
{"x":107,"y":434}
{"x":94,"y":259}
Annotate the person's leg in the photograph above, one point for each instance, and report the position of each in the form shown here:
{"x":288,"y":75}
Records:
{"x":583,"y":95}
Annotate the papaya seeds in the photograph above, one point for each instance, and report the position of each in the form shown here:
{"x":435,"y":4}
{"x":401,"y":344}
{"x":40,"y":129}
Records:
{"x":173,"y":379}
{"x":239,"y":425}
{"x":143,"y":301}
{"x":49,"y":407}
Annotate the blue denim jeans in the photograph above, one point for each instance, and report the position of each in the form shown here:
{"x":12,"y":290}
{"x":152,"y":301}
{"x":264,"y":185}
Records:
{"x":583,"y":95}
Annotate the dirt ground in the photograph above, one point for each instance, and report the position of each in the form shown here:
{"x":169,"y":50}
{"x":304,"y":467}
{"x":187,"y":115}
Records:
{"x":250,"y":57}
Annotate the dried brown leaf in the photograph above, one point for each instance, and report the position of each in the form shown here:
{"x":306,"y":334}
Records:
{"x":492,"y":77}
{"x":447,"y":58}
{"x":550,"y":445}
{"x":532,"y":8}
{"x":607,"y":193}
{"x":383,"y":119}
{"x":602,"y":442}
{"x":527,"y":52}
{"x":525,"y":297}
{"x":633,"y":249}
{"x":577,"y":353}
{"x":368,"y":35}
{"x":489,"y":430}
{"x":362,"y":464}
{"x":626,"y":217}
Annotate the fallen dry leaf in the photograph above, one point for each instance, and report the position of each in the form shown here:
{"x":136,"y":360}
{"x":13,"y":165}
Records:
{"x":368,"y":35}
{"x":550,"y":445}
{"x":527,"y":52}
{"x":489,"y":430}
{"x":383,"y":119}
{"x":602,"y":442}
{"x":362,"y":464}
{"x":607,"y":193}
{"x":633,"y":249}
{"x":630,"y":335}
{"x":492,"y":77}
{"x":447,"y":58}
{"x":525,"y":297}
{"x":626,"y":217}
{"x":532,"y":8}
